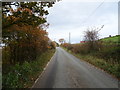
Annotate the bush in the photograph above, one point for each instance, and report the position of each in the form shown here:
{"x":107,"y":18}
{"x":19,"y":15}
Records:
{"x":68,"y":46}
{"x":109,"y":52}
{"x":18,"y":76}
{"x":80,"y":48}
{"x":24,"y":75}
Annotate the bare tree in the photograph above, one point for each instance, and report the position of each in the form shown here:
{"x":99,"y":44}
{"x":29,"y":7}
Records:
{"x":91,"y":37}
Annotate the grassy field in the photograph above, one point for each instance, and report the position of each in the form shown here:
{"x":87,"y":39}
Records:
{"x":24,"y":76}
{"x":112,"y":39}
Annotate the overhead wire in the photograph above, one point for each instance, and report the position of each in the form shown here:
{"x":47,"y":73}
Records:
{"x":93,"y":12}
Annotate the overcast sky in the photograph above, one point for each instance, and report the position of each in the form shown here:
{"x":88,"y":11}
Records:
{"x":75,"y":16}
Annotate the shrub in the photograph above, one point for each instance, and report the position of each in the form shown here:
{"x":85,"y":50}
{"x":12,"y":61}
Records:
{"x":22,"y":75}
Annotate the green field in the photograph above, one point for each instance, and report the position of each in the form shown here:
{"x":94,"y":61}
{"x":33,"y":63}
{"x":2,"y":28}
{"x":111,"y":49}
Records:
{"x":114,"y":39}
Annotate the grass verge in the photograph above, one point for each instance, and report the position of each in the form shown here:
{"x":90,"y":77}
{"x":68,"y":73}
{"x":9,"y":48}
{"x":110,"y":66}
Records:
{"x":109,"y":67}
{"x":24,"y":76}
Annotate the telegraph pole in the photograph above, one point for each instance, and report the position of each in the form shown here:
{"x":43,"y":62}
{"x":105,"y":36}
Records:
{"x":69,"y":38}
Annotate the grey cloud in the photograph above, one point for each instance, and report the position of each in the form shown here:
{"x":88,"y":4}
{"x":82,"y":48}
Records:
{"x":68,"y":17}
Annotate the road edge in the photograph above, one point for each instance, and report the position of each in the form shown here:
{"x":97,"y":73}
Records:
{"x":43,"y":70}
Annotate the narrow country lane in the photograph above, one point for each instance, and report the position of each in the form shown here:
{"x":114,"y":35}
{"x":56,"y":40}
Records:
{"x":67,"y":71}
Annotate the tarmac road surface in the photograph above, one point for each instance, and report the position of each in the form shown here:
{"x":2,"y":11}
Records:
{"x":67,"y":71}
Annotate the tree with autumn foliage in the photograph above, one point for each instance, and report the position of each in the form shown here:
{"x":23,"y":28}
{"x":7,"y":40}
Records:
{"x":23,"y":30}
{"x":62,"y":40}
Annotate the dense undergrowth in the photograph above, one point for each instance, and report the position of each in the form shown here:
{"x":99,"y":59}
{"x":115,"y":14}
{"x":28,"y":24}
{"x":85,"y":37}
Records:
{"x":24,"y":75}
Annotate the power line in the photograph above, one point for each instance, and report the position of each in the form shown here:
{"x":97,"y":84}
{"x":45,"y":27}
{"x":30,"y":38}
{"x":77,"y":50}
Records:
{"x":92,"y":12}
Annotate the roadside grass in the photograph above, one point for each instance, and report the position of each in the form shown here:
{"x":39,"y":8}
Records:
{"x":24,"y":76}
{"x":110,"y":67}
